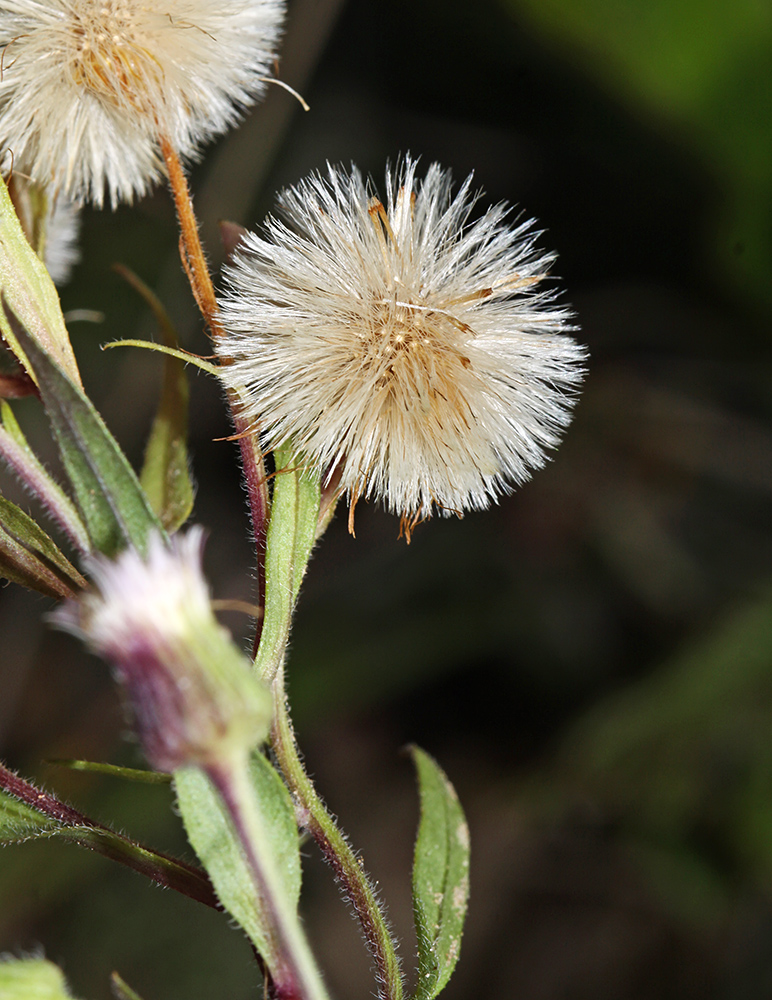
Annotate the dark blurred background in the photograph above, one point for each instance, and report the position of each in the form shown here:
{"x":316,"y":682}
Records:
{"x":590,"y":661}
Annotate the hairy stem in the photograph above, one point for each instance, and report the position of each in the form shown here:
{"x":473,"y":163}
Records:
{"x":256,"y":483}
{"x":197,"y":270}
{"x":314,"y":816}
{"x":79,"y":829}
{"x":292,"y":968}
{"x":191,"y":251}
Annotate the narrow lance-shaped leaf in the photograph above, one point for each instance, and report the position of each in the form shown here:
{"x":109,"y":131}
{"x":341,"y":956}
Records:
{"x":29,"y":557}
{"x":27,"y":288}
{"x":121,"y":989}
{"x":15,"y":451}
{"x":144,"y":777}
{"x":440,"y":877}
{"x":19,"y":821}
{"x":165,"y":475}
{"x":112,"y":503}
{"x":210,"y":832}
{"x":27,"y":812}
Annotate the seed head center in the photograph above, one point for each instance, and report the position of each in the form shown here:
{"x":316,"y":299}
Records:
{"x":415,"y":352}
{"x":398,"y":329}
{"x":108,"y":56}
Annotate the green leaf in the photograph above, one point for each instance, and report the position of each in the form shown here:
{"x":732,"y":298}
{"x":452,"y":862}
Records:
{"x":185,"y":356}
{"x":165,"y":475}
{"x":440,"y":877}
{"x":112,"y":503}
{"x":214,"y":841}
{"x":32,"y":979}
{"x":29,"y":557}
{"x":11,"y":425}
{"x":144,"y":777}
{"x":291,"y":535}
{"x":18,"y":455}
{"x":27,"y":288}
{"x":121,"y":989}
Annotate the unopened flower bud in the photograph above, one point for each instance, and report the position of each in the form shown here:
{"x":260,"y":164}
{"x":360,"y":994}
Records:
{"x":194,"y":698}
{"x":31,"y":979}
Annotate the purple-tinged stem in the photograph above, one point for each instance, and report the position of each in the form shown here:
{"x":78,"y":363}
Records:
{"x":197,"y":270}
{"x":79,"y":829}
{"x":17,"y":386}
{"x":58,"y":505}
{"x":252,"y":459}
{"x":291,"y":966}
{"x":314,"y":817}
{"x":256,"y":483}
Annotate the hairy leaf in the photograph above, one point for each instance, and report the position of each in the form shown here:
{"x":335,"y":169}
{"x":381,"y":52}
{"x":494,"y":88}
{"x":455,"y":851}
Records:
{"x":112,"y":503}
{"x":114,"y":770}
{"x":165,"y":475}
{"x":440,"y":877}
{"x":18,"y":455}
{"x":27,"y":288}
{"x":29,"y":557}
{"x":291,"y":535}
{"x":210,"y":832}
{"x":32,"y":979}
{"x":19,"y":821}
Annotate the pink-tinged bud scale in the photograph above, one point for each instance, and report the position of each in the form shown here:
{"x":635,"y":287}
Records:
{"x":193,"y":696}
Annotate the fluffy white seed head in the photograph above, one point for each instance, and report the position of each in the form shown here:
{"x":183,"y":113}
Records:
{"x":60,"y":250}
{"x":400,"y":346}
{"x":88,"y":85}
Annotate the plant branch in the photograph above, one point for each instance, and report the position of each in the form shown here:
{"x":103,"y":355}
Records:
{"x":191,"y":251}
{"x":256,"y":483}
{"x":292,"y":968}
{"x":314,"y":816}
{"x":197,"y":270}
{"x":77,"y":828}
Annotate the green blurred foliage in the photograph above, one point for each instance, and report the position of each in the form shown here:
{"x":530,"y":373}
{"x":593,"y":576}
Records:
{"x":699,"y":71}
{"x":684,"y":757}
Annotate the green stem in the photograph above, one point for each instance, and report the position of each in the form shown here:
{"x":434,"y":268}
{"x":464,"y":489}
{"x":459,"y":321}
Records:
{"x":314,"y":816}
{"x":291,"y":965}
{"x":298,"y":514}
